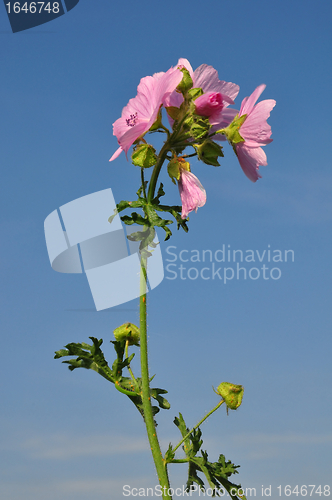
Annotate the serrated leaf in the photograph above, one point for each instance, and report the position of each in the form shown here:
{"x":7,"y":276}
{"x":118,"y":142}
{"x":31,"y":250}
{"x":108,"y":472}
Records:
{"x":170,"y":454}
{"x":163,"y":403}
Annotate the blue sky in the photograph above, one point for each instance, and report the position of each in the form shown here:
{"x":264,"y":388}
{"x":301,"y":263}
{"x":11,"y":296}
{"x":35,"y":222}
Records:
{"x":70,"y":436}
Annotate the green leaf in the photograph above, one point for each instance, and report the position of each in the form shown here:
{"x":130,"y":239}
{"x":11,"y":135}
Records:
{"x":88,"y":356}
{"x":169,"y":455}
{"x":217,"y":473}
{"x":156,"y":394}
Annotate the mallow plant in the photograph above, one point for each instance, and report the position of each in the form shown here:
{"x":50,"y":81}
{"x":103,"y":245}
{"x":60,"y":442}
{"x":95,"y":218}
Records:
{"x":199,"y":121}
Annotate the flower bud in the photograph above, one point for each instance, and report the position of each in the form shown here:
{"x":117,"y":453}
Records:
{"x":144,"y":156}
{"x":129,"y":332}
{"x":209,"y":104}
{"x":232,"y":394}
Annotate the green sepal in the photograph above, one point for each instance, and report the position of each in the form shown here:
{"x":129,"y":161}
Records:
{"x":157,"y":123}
{"x":194,"y":93}
{"x":209,"y":152}
{"x":200,"y":127}
{"x":232,"y":131}
{"x":186,"y":82}
{"x":173,"y":112}
{"x":144,"y":155}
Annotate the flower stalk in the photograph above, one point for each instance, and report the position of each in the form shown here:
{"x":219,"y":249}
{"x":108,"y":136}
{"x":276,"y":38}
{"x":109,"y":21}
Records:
{"x":196,"y":426}
{"x":159,"y":462}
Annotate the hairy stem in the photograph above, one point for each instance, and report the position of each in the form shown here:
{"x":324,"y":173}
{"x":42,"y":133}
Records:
{"x":156,"y":171}
{"x":147,"y":408}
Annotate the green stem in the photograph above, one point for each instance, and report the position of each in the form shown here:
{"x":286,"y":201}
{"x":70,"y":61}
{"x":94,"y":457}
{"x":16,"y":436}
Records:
{"x":129,"y":369}
{"x":199,"y":423}
{"x":146,"y":400}
{"x":155,"y":174}
{"x":143,"y":182}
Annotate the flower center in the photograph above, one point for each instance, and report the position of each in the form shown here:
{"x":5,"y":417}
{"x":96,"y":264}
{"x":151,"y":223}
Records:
{"x":131,"y":121}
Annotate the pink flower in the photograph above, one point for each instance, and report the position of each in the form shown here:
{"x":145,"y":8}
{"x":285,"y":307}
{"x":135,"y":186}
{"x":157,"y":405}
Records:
{"x":211,"y":105}
{"x":206,"y":78}
{"x":142,"y":111}
{"x":192,"y":193}
{"x":256,"y":132}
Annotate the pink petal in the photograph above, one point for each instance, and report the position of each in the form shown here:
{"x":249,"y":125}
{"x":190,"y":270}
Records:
{"x":255,"y":130}
{"x":186,"y":64}
{"x":142,"y":111}
{"x":249,"y":102}
{"x":250,"y":159}
{"x":226,"y":117}
{"x":192,"y":193}
{"x":206,"y":77}
{"x":117,"y":153}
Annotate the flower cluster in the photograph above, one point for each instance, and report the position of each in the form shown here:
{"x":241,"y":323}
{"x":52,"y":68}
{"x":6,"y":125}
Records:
{"x":197,"y":105}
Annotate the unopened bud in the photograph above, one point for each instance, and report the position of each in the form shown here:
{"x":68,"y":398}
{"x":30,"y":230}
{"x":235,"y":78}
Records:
{"x":129,"y":332}
{"x":209,"y":104}
{"x":232,"y":394}
{"x":144,"y":156}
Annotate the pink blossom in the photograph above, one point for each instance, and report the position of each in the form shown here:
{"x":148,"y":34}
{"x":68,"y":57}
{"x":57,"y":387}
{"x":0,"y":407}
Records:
{"x":256,"y":132}
{"x":192,"y":193}
{"x":142,"y":111}
{"x":206,"y":78}
{"x":211,"y":105}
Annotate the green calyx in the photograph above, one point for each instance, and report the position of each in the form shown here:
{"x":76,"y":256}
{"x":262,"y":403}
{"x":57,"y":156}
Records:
{"x":158,"y":123}
{"x":194,"y":93}
{"x":200,"y":127}
{"x":232,"y":394}
{"x":208,"y":152}
{"x":232,"y":131}
{"x":144,"y":155}
{"x":128,"y":332}
{"x":174,"y":168}
{"x":186,"y":82}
